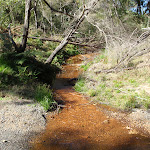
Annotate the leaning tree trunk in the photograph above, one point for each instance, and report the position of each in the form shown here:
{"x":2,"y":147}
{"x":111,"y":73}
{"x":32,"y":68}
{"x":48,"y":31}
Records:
{"x":74,"y":26}
{"x":26,"y":25}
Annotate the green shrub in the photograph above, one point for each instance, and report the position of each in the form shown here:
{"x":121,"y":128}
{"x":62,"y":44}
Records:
{"x":71,"y":50}
{"x":24,"y":68}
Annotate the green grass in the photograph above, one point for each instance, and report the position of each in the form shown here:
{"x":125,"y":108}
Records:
{"x":115,"y":94}
{"x":80,"y":85}
{"x":44,"y":96}
{"x":86,"y":66}
{"x":118,"y":84}
{"x":92,"y":93}
{"x":101,"y":58}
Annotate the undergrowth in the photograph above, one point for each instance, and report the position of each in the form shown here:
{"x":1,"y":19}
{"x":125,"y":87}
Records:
{"x":25,"y":75}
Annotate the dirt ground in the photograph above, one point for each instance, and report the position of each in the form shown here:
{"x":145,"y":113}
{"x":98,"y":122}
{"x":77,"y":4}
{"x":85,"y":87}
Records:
{"x":20,"y":119}
{"x":84,"y":125}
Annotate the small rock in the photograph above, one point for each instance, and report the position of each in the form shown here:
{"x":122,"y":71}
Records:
{"x":4,"y":141}
{"x":105,"y":121}
{"x":128,"y":128}
{"x":133,"y":132}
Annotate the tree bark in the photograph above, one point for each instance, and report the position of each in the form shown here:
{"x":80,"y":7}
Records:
{"x":26,"y":25}
{"x":72,"y":29}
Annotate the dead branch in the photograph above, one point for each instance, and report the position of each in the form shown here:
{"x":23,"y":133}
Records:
{"x":116,"y":70}
{"x":100,"y":30}
{"x":11,"y":38}
{"x":69,"y":42}
{"x":53,"y":9}
{"x":130,"y":53}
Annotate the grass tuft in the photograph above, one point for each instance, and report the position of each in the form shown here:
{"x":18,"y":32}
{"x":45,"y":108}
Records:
{"x":43,"y":95}
{"x":80,"y":85}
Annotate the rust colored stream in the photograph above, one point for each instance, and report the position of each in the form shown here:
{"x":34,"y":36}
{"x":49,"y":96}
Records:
{"x":80,"y":126}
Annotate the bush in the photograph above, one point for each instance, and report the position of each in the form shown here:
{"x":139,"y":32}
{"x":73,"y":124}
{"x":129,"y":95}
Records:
{"x":23,"y":69}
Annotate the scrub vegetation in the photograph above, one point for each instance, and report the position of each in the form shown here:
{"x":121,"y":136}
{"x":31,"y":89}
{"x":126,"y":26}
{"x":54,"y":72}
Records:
{"x":126,"y":89}
{"x":25,"y":75}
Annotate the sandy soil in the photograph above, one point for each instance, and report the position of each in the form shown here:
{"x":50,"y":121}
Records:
{"x":19,"y":121}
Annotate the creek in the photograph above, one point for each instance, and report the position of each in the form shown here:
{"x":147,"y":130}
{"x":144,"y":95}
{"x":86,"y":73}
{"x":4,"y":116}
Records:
{"x":80,"y":125}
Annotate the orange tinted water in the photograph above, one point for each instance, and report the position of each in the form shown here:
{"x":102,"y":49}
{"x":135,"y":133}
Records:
{"x":80,"y":126}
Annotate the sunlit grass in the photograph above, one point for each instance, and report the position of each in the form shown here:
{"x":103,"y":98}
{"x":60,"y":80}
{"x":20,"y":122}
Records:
{"x":44,"y":96}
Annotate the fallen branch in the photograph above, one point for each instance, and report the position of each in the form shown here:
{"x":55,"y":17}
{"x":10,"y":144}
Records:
{"x":116,"y":70}
{"x":72,"y":29}
{"x":59,"y":41}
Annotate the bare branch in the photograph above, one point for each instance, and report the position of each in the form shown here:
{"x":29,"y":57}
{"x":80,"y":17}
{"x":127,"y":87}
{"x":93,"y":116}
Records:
{"x":11,"y":38}
{"x":72,"y":29}
{"x":53,"y":9}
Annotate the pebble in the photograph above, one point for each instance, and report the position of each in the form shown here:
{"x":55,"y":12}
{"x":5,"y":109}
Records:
{"x":105,"y":122}
{"x":4,"y":141}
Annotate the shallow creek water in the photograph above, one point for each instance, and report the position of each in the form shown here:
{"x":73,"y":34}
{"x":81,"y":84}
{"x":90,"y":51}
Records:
{"x":80,"y":125}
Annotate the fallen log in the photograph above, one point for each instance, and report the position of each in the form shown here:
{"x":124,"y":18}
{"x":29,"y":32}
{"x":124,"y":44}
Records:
{"x":59,"y":41}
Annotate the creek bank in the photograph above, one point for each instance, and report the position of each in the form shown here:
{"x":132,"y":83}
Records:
{"x":137,"y":119}
{"x":21,"y":119}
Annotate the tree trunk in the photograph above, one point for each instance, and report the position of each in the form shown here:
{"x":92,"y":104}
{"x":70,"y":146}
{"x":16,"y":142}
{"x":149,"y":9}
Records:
{"x":35,"y":14}
{"x":11,"y":38}
{"x":61,"y":45}
{"x":26,"y":25}
{"x":72,"y":30}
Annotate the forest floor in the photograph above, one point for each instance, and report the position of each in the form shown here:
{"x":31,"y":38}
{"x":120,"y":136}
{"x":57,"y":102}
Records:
{"x":81,"y":124}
